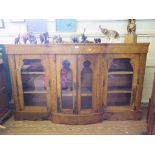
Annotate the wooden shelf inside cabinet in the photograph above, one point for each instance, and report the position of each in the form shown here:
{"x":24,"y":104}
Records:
{"x":67,"y":92}
{"x":35,"y":73}
{"x":120,"y":72}
{"x":86,"y":94}
{"x":35,"y":92}
{"x":119,"y":91}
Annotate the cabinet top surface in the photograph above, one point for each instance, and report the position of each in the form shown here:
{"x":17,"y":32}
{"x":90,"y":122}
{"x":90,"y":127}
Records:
{"x":66,"y":48}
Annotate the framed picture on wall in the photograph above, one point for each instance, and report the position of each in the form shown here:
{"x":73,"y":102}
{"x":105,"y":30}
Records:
{"x":66,"y":25}
{"x":37,"y":25}
{"x":2,"y":26}
{"x":17,"y":20}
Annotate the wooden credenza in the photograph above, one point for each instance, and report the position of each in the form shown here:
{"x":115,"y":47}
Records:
{"x":3,"y":93}
{"x":77,"y":83}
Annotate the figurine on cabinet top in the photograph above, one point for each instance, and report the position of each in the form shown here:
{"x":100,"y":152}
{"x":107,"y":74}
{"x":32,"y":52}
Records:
{"x":97,"y":40}
{"x":57,"y":39}
{"x":83,"y":37}
{"x":29,"y":37}
{"x":75,"y":39}
{"x":110,"y":34}
{"x":131,"y":28}
{"x":131,"y":37}
{"x":44,"y":38}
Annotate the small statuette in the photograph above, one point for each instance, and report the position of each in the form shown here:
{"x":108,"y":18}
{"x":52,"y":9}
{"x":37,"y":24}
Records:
{"x":109,"y":34}
{"x":131,"y":37}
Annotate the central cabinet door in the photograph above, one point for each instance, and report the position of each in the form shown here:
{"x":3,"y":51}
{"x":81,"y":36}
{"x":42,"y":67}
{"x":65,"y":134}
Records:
{"x":87,"y":82}
{"x":66,"y":84}
{"x":76,"y":84}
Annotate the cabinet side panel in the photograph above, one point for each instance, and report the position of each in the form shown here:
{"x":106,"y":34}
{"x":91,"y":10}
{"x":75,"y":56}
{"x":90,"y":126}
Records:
{"x":12,"y":67}
{"x":142,"y":62}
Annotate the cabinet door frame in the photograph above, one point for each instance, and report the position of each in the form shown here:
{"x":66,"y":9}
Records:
{"x":53,"y":82}
{"x":73,"y":61}
{"x":19,"y":62}
{"x":135,"y":81}
{"x":94,"y":67}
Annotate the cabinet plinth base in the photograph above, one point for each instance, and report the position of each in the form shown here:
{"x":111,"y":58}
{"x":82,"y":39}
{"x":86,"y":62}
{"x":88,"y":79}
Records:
{"x":122,"y":115}
{"x":76,"y":119}
{"x":31,"y":116}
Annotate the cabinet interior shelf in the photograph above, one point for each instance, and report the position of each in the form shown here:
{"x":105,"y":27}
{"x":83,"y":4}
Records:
{"x":120,"y":72}
{"x":82,"y":94}
{"x":119,"y":91}
{"x":70,"y":93}
{"x":36,"y":73}
{"x":86,"y":94}
{"x":35,"y":92}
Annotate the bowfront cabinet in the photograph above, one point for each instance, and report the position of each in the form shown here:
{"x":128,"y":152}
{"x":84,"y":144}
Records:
{"x":77,"y":83}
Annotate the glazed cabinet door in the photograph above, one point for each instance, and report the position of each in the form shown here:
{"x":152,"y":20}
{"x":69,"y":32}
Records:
{"x":122,"y":80}
{"x":66,"y":84}
{"x":87,"y":83}
{"x":33,"y":83}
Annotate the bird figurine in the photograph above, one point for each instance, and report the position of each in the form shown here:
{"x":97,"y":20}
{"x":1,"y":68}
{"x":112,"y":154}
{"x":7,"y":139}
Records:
{"x":83,"y":37}
{"x":110,"y":34}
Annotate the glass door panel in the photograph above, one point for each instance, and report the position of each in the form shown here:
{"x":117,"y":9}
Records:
{"x":86,"y":85}
{"x":121,"y":64}
{"x":66,"y":83}
{"x":87,"y":82}
{"x":120,"y":79}
{"x":120,"y":82}
{"x":33,"y":82}
{"x":32,"y":77}
{"x":32,"y":65}
{"x":116,"y":99}
{"x":35,"y":99}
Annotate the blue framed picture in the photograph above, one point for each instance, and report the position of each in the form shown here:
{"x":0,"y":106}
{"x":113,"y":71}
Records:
{"x":66,"y":25}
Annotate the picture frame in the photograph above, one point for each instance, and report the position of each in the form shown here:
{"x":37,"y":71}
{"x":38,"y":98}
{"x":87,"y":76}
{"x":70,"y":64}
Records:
{"x":37,"y":25}
{"x":17,"y":20}
{"x":66,"y":25}
{"x":2,"y":26}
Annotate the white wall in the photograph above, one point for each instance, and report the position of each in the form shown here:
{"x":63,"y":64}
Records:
{"x":145,"y":31}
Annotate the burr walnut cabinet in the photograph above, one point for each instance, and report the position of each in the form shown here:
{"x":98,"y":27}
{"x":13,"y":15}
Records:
{"x":77,"y":83}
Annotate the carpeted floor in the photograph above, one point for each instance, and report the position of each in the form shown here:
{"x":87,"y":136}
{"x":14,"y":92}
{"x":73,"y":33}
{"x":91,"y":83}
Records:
{"x":48,"y":128}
